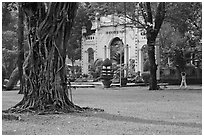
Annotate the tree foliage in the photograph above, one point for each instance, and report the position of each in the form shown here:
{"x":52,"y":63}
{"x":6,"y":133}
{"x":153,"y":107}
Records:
{"x":10,"y":39}
{"x":9,"y":36}
{"x":182,"y":30}
{"x":185,"y":16}
{"x":9,"y":16}
{"x":168,"y":38}
{"x":81,"y":19}
{"x":9,"y":51}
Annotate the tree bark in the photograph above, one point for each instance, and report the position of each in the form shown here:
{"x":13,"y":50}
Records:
{"x":153,"y":66}
{"x":20,"y":45}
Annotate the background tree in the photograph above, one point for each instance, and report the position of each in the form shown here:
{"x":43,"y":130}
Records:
{"x":10,"y":40}
{"x":182,"y":30}
{"x":45,"y":88}
{"x":152,"y":26}
{"x":9,"y":51}
{"x":81,"y":19}
{"x":191,"y":20}
{"x":169,"y":39}
{"x":20,"y":45}
{"x":9,"y":36}
{"x":9,"y":16}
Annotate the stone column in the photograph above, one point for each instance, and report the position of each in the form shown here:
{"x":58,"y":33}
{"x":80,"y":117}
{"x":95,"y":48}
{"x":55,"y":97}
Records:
{"x":127,"y":59}
{"x":105,"y":52}
{"x":157,"y":48}
{"x":136,"y":50}
{"x":168,"y":61}
{"x":108,"y":52}
{"x":140,"y":60}
{"x":82,"y":53}
{"x":85,"y":62}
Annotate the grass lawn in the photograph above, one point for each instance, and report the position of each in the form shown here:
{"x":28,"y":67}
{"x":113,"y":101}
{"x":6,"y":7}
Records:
{"x":127,"y":110}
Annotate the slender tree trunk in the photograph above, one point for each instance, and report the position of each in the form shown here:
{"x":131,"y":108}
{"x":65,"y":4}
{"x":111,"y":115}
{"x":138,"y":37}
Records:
{"x":20,"y":45}
{"x":152,"y":32}
{"x":152,"y":62}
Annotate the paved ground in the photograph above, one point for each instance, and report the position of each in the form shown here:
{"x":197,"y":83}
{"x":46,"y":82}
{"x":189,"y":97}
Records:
{"x":128,"y":110}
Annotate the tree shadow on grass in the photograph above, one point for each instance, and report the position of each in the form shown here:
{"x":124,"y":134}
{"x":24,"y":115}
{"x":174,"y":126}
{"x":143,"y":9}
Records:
{"x":188,"y":90}
{"x":113,"y":117}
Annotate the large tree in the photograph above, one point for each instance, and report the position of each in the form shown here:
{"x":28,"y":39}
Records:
{"x":45,"y":82}
{"x":152,"y":26}
{"x":150,"y":17}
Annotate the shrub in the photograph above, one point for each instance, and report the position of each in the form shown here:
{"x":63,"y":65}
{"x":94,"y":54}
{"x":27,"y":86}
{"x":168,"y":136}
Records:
{"x":146,"y":76}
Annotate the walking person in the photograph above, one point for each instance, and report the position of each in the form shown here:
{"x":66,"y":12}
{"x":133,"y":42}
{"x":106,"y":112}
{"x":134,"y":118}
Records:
{"x":183,"y":80}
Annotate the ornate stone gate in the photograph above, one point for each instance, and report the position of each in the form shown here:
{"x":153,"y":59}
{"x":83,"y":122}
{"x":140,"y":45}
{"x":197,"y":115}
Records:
{"x":106,"y":30}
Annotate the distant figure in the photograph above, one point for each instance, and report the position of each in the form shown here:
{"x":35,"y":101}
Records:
{"x":183,"y":80}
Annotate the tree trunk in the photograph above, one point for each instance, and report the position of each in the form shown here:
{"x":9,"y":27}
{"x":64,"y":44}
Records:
{"x":20,"y":45}
{"x":45,"y":88}
{"x":152,"y":62}
{"x":152,"y":32}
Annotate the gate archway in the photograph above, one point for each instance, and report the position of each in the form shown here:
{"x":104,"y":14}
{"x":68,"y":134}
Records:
{"x":116,"y":50}
{"x":90,"y":55}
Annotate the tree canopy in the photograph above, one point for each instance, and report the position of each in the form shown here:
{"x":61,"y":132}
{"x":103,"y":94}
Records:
{"x":182,"y":30}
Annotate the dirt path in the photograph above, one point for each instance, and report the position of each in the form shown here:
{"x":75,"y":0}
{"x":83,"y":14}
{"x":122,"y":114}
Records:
{"x":132,"y":110}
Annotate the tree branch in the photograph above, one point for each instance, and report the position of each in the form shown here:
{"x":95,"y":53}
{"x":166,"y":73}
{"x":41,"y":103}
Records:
{"x":137,"y":21}
{"x":143,"y":13}
{"x":149,"y":13}
{"x":160,"y":14}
